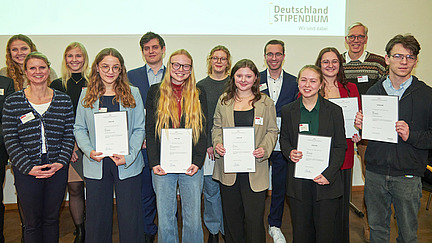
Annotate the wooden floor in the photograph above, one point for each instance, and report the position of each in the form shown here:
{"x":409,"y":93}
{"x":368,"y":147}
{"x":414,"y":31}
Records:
{"x":12,"y":230}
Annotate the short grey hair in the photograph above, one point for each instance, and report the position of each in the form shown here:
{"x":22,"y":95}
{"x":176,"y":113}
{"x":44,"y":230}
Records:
{"x":355,"y":25}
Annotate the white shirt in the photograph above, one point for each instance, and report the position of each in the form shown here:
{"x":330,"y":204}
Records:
{"x":274,"y":86}
{"x":361,"y":58}
{"x":41,"y":110}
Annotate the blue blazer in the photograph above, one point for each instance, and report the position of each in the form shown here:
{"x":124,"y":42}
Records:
{"x":84,"y":131}
{"x":138,"y":78}
{"x":289,"y":90}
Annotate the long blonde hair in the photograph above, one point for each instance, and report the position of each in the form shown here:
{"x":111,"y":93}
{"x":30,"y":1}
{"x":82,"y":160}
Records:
{"x":190,"y":104}
{"x":66,"y":72}
{"x":14,"y":71}
{"x":96,"y":87}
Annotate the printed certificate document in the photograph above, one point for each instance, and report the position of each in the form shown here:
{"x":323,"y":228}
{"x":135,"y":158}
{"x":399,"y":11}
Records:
{"x":239,"y":143}
{"x":380,"y":114}
{"x":316,"y":156}
{"x":176,"y":149}
{"x":111,"y":130}
{"x":349,"y":109}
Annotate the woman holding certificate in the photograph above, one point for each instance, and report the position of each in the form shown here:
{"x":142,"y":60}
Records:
{"x":243,"y":193}
{"x":335,"y":85}
{"x":38,"y":134}
{"x":176,"y":107}
{"x":108,"y":94}
{"x":314,"y":202}
{"x":74,"y":78}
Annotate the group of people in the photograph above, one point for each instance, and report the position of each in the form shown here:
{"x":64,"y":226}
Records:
{"x":48,"y":125}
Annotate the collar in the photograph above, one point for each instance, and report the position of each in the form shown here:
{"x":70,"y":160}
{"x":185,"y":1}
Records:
{"x":361,"y":58}
{"x":280,"y":76}
{"x":316,"y":107}
{"x":150,"y":70}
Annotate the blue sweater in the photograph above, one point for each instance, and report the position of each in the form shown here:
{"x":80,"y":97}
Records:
{"x":23,"y":138}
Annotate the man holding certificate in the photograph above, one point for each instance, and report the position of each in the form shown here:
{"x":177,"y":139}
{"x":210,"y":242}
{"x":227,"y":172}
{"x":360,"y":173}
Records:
{"x":102,"y":113}
{"x":314,"y":197}
{"x":245,"y":125}
{"x":394,"y":169}
{"x":176,"y":148}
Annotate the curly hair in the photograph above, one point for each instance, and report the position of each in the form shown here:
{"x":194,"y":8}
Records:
{"x":96,"y":87}
{"x":191,"y":106}
{"x":14,"y":70}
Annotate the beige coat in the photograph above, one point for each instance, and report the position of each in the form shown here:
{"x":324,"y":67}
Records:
{"x":265,"y":137}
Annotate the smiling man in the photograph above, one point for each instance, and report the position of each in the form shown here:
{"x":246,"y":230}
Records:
{"x":153,"y":50}
{"x":282,"y":88}
{"x":394,"y":170}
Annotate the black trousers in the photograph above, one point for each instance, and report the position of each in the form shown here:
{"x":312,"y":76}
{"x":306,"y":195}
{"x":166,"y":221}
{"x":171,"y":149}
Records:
{"x":313,"y":221}
{"x":341,"y":234}
{"x":243,"y":212}
{"x":3,"y":162}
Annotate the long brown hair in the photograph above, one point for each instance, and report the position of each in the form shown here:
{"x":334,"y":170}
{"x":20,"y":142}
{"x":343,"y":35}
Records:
{"x":341,"y":73}
{"x":96,"y":87}
{"x":190,"y":104}
{"x":14,"y":71}
{"x":231,"y":91}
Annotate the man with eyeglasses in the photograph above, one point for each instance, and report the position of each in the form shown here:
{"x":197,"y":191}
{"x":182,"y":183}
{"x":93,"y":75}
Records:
{"x":153,"y":50}
{"x":218,"y":70}
{"x":282,"y":88}
{"x":364,"y":69}
{"x":394,"y":170}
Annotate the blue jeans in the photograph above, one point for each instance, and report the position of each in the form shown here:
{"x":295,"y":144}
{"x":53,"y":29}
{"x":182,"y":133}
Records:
{"x":166,"y":200}
{"x":405,"y":193}
{"x":213,"y":217}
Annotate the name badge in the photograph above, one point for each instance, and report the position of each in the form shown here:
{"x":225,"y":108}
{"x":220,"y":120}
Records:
{"x":1,"y":91}
{"x":259,"y":120}
{"x":363,"y":79}
{"x":27,"y":117}
{"x":263,"y":86}
{"x":304,"y":127}
{"x":103,"y":109}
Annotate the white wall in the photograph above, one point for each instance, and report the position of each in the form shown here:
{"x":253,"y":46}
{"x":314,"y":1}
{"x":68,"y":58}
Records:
{"x":384,"y":18}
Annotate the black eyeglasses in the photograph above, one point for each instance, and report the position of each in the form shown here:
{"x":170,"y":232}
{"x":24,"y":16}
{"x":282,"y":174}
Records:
{"x":353,"y":37}
{"x":177,"y":66}
{"x":219,"y":59}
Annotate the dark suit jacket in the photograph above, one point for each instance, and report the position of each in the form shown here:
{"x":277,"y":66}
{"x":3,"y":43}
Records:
{"x":6,"y":88}
{"x":138,"y":78}
{"x":331,"y":124}
{"x":288,"y":93}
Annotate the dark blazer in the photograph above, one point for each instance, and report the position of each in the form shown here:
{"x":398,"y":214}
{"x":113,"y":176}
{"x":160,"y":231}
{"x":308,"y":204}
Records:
{"x":138,"y":78}
{"x":6,"y":88}
{"x":331,"y":124}
{"x":153,"y":142}
{"x":288,"y":93}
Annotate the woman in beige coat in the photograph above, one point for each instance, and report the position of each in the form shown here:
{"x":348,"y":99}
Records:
{"x":243,"y":194}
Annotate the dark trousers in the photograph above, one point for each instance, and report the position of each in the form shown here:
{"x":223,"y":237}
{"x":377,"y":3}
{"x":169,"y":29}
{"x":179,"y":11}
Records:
{"x":148,"y":198}
{"x":243,"y":211}
{"x":41,"y":200}
{"x":312,"y":220}
{"x":3,"y":162}
{"x":99,"y":206}
{"x":279,"y":174}
{"x":341,"y":234}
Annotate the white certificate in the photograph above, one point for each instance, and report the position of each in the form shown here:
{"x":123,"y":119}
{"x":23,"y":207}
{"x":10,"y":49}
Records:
{"x":380,"y":114}
{"x":316,"y":155}
{"x":111,"y":131}
{"x":208,"y":165}
{"x":239,"y":144}
{"x":278,"y":123}
{"x":349,"y":109}
{"x":176,"y":150}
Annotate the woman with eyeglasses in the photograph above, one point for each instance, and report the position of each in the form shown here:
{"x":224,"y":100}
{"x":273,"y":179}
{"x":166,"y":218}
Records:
{"x":218,"y":69}
{"x":177,"y":103}
{"x":73,"y":80}
{"x":38,"y":133}
{"x":243,"y":194}
{"x":17,"y":48}
{"x":109,"y":91}
{"x":335,"y":85}
{"x":314,"y":202}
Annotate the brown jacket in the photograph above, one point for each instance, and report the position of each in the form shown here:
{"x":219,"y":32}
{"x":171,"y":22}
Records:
{"x":265,"y":137}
